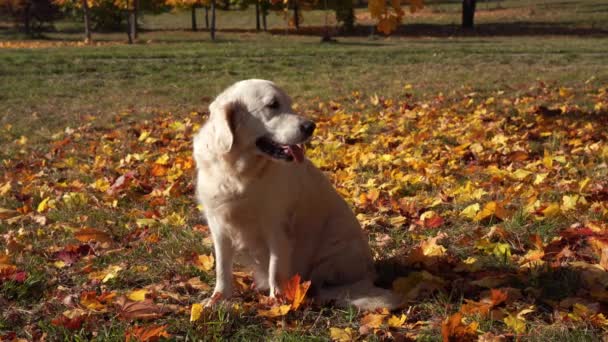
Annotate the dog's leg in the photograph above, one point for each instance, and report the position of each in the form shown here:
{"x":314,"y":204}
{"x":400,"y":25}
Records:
{"x":279,"y":263}
{"x":224,"y":255}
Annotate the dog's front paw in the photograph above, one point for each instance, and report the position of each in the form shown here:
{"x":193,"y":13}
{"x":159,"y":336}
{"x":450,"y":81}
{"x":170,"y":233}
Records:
{"x":212,"y":301}
{"x":275,"y":292}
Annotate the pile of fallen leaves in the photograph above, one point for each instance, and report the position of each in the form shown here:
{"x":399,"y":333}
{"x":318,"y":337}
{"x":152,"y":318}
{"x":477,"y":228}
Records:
{"x":487,"y":214}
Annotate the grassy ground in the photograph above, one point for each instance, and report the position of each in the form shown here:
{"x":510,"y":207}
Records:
{"x":413,"y":130}
{"x":55,"y":87}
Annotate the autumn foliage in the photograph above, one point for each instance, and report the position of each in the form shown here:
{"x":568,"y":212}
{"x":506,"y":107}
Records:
{"x":489,"y":209}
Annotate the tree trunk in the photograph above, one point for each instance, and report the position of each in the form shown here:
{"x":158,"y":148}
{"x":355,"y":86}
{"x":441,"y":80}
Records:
{"x":132,"y":25}
{"x":87,"y":21}
{"x":193,"y":12}
{"x":212,"y":20}
{"x":257,"y":15}
{"x":296,"y":14}
{"x":27,"y":22}
{"x":264,"y":14}
{"x":468,"y":13}
{"x":207,"y":17}
{"x":135,"y":15}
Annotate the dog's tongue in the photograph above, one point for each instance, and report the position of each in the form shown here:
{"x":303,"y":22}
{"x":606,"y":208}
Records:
{"x":297,"y":152}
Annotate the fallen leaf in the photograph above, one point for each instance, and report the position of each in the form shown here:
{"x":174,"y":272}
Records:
{"x":397,"y":322}
{"x":195,"y":312}
{"x":275,"y":311}
{"x":341,"y":335}
{"x":295,"y":291}
{"x":147,"y":334}
{"x":130,"y":310}
{"x":204,"y":262}
{"x":137,"y":295}
{"x":91,"y":234}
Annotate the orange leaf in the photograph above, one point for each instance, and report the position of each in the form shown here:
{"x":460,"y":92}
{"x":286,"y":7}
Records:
{"x":158,"y":170}
{"x":294,"y":291}
{"x":149,"y":333}
{"x":498,"y":296}
{"x":90,"y":234}
{"x":452,"y":329}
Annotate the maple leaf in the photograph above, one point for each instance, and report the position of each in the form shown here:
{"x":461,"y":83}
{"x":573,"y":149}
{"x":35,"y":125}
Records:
{"x":453,"y":329}
{"x":430,"y":248}
{"x":204,"y":262}
{"x":341,"y":335}
{"x":72,"y":253}
{"x":397,"y":322}
{"x":68,"y":323}
{"x":295,"y":291}
{"x":147,"y":333}
{"x":372,"y":320}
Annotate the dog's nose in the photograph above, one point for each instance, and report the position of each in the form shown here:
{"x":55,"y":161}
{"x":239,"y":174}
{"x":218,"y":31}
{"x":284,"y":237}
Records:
{"x":307,"y":127}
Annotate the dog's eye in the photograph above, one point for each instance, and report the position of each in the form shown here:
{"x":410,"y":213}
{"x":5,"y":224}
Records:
{"x":274,"y":104}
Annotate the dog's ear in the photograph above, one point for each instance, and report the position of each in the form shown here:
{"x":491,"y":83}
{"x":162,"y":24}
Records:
{"x":224,"y":117}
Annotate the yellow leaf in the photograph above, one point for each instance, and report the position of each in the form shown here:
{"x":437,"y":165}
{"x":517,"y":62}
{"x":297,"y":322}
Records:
{"x":341,"y":335}
{"x":551,"y":210}
{"x":195,"y":312}
{"x":162,"y":160}
{"x":137,"y":295}
{"x":470,"y":211}
{"x":101,"y":184}
{"x":569,"y":202}
{"x":540,"y":177}
{"x":205,"y":262}
{"x":43,"y":205}
{"x":524,"y":312}
{"x":548,"y":160}
{"x":397,"y":322}
{"x":583,"y":184}
{"x":521,"y":174}
{"x":59,"y":264}
{"x":4,"y":189}
{"x":275,"y":311}
{"x":516,"y":324}
{"x":488,"y":210}
{"x":105,"y":275}
{"x":431,"y":248}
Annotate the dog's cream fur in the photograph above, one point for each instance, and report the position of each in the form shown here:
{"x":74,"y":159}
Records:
{"x":282,"y":217}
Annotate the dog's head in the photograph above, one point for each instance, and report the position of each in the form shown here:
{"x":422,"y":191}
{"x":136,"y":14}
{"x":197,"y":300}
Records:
{"x":256,"y":115}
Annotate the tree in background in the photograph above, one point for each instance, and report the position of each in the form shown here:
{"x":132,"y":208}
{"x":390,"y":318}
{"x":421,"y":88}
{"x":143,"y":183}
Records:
{"x":468,"y":13}
{"x":192,"y":5}
{"x":30,"y":15}
{"x":389,"y":18}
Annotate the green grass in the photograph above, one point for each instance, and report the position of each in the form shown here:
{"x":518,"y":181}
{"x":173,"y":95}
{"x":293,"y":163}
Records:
{"x":46,"y":89}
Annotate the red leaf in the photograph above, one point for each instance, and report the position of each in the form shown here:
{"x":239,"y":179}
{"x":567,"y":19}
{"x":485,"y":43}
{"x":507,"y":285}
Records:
{"x":434,"y":222}
{"x":69,"y":323}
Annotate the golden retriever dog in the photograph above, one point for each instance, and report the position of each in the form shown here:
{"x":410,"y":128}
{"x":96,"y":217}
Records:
{"x":267,"y":203}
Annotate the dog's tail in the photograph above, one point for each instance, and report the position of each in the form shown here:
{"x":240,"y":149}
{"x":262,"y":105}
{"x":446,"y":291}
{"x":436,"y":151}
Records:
{"x":362,"y":294}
